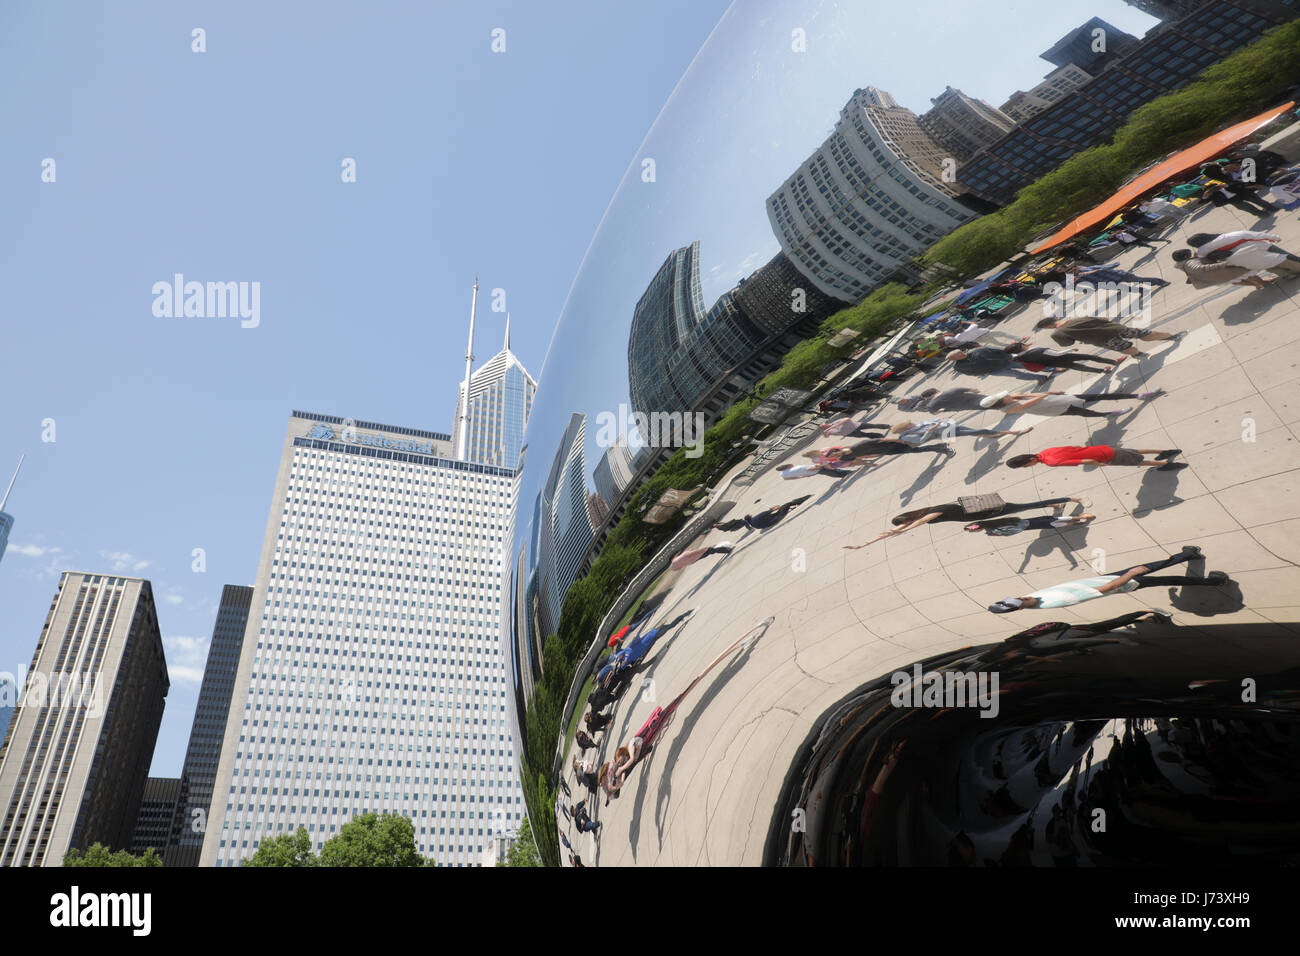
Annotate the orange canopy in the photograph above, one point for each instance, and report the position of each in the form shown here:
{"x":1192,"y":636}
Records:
{"x":1203,"y":151}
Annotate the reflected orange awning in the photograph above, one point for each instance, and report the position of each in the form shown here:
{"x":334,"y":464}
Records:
{"x":1205,"y":150}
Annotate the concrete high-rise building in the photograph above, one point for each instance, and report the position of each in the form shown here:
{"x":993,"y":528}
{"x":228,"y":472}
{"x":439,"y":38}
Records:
{"x":873,"y":196}
{"x":676,"y":349}
{"x":500,"y":400}
{"x":370,"y":676}
{"x":615,"y":470}
{"x":207,"y":733}
{"x":157,"y":823}
{"x":1093,"y":46}
{"x":962,"y":125}
{"x":565,"y":530}
{"x":597,"y":509}
{"x":6,"y":519}
{"x":76,"y":755}
{"x":1023,"y":104}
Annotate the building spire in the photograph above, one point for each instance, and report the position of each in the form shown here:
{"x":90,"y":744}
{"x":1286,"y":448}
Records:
{"x":469,"y":367}
{"x":11,"y":482}
{"x":507,"y":345}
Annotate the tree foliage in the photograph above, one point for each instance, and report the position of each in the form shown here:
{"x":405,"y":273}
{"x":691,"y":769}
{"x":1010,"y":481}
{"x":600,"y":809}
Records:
{"x":100,"y":855}
{"x":524,"y":851}
{"x":286,"y":849}
{"x":373,"y":840}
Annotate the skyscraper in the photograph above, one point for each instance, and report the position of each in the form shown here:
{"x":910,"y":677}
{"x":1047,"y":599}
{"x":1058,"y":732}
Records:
{"x":962,"y":124}
{"x":6,"y":519}
{"x":676,"y":350}
{"x":370,"y":676}
{"x":77,"y":752}
{"x":500,"y":399}
{"x":156,"y":824}
{"x":565,"y":530}
{"x":877,"y":192}
{"x":203,"y":755}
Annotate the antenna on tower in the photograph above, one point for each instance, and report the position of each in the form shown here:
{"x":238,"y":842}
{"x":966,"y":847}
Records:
{"x":11,"y":482}
{"x":507,"y":345}
{"x":469,"y":367}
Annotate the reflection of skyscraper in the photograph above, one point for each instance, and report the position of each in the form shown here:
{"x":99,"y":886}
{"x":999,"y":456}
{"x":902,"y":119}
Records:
{"x":1093,"y":46}
{"x":371,"y":659}
{"x":565,"y":531}
{"x":597,"y":509}
{"x":203,"y":755}
{"x":6,"y":519}
{"x":1167,"y":58}
{"x":962,"y":124}
{"x":873,"y":195}
{"x":676,"y":350}
{"x":500,"y":399}
{"x":614,"y":470}
{"x":77,"y":752}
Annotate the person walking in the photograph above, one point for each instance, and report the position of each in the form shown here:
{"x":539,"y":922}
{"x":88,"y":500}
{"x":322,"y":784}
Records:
{"x":984,"y":360}
{"x":1001,"y":527}
{"x":1061,"y":403}
{"x":792,"y":472}
{"x":845,"y":427}
{"x":1108,"y":273}
{"x":917,"y":433}
{"x":1072,"y":455}
{"x":1102,"y":333}
{"x":1038,"y":359}
{"x":860,"y":452}
{"x":956,"y":511}
{"x":685,"y":559}
{"x":1121,"y":582}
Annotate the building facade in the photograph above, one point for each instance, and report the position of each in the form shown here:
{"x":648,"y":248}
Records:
{"x":76,"y":755}
{"x":564,"y":528}
{"x":207,"y":733}
{"x":873,"y":196}
{"x":1167,"y":58}
{"x":1023,"y":104}
{"x":615,"y":469}
{"x":370,"y":677}
{"x":157,"y":823}
{"x":1093,"y":46}
{"x":962,"y":125}
{"x":500,"y":400}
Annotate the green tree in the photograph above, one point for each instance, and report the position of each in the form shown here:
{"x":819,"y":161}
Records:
{"x":100,"y":855}
{"x":524,"y":851}
{"x":284,"y":850}
{"x":373,"y":840}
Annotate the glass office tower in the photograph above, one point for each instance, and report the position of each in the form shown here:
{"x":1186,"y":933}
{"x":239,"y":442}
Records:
{"x":371,"y":676}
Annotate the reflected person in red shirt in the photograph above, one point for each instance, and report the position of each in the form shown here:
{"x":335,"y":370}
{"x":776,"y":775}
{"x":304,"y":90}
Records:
{"x":1071,"y":455}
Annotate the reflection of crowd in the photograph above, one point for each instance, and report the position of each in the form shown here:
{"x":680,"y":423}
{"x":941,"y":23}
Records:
{"x":1036,"y":827}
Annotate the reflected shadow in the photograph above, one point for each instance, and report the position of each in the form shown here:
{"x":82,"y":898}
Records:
{"x":1251,"y":307}
{"x":1209,"y":601}
{"x":1156,"y":492}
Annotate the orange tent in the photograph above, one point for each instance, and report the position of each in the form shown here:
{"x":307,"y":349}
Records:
{"x":1202,"y":152}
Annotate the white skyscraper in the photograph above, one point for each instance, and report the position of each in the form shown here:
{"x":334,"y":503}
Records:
{"x":370,"y":677}
{"x":500,"y":399}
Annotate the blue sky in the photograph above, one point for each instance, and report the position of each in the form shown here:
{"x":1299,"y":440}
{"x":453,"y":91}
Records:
{"x":225,"y":166}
